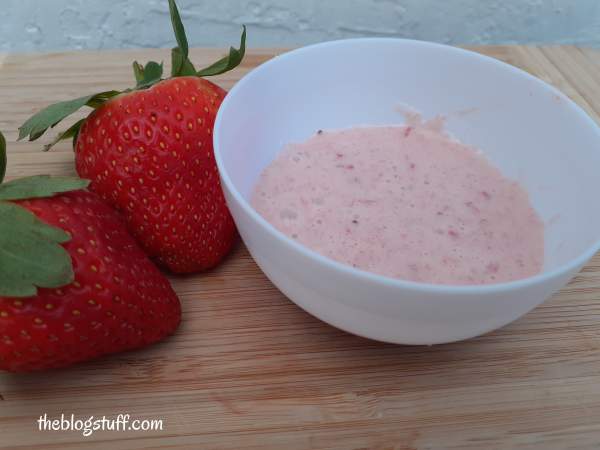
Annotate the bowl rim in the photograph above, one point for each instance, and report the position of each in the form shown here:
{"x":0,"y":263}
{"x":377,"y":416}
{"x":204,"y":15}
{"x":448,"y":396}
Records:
{"x":364,"y":275}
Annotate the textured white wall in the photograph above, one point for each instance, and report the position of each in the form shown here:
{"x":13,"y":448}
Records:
{"x":40,"y":25}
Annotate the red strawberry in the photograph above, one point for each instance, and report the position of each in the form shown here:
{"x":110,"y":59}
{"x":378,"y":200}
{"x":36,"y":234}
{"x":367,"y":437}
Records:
{"x":95,"y":294}
{"x":148,"y":152}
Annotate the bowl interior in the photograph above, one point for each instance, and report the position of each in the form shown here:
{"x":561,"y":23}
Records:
{"x":531,"y":131}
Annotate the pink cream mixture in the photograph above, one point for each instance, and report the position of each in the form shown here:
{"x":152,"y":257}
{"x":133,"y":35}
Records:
{"x":407,"y":202}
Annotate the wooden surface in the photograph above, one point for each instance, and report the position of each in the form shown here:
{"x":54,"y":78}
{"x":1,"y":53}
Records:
{"x":250,"y":370}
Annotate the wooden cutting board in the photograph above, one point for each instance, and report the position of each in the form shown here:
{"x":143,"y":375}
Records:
{"x":250,"y":370}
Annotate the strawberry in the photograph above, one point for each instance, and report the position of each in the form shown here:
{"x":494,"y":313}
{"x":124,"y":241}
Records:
{"x":148,"y":152}
{"x":157,"y":167}
{"x":74,"y":284}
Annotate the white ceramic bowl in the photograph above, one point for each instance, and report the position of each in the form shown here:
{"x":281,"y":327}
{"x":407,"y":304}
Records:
{"x":531,"y":131}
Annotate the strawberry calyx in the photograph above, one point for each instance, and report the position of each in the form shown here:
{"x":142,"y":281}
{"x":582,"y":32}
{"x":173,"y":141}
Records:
{"x":51,"y":116}
{"x":145,"y":76}
{"x":181,"y":65}
{"x":31,"y":254}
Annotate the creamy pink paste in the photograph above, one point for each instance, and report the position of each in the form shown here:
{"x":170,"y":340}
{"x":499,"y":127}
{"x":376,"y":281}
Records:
{"x":407,"y":202}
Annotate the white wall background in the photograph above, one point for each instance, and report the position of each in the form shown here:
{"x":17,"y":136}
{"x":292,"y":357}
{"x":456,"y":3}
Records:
{"x":41,"y":25}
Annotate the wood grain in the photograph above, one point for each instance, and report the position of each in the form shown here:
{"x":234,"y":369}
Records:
{"x":249,"y":370}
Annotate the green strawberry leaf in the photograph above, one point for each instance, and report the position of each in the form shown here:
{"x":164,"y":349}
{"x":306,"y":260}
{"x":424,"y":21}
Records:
{"x":179,"y":66}
{"x":149,"y":75}
{"x":101,"y":98}
{"x":53,"y":114}
{"x":30,"y":253}
{"x":182,"y":41}
{"x":227,"y":63}
{"x":138,"y":72}
{"x":40,"y":186}
{"x":2,"y":157}
{"x":71,"y":133}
